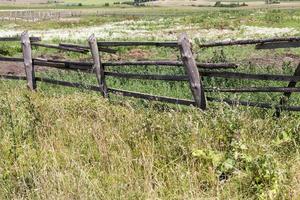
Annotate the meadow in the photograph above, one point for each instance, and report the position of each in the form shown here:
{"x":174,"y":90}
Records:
{"x":64,"y":143}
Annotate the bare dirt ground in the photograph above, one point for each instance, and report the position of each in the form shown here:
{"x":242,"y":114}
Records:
{"x":10,"y":68}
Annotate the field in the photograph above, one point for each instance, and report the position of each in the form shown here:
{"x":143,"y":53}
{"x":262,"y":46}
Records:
{"x":66,"y":143}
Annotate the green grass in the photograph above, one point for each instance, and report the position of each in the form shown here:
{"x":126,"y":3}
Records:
{"x":61,"y":145}
{"x":66,"y":143}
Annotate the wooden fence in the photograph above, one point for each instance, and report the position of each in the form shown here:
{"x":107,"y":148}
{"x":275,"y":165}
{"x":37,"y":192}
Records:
{"x":194,"y":71}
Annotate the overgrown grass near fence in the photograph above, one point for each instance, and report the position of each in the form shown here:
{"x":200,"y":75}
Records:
{"x":59,"y":143}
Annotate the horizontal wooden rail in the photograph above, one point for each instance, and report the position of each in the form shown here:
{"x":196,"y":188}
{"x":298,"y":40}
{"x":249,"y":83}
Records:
{"x":172,"y":63}
{"x":51,"y":46}
{"x":10,"y":77}
{"x":63,"y":66}
{"x":278,"y":45}
{"x":112,"y":90}
{"x":101,"y":49}
{"x":249,"y":42}
{"x":68,"y":84}
{"x":254,"y":104}
{"x":222,"y":74}
{"x":253,"y":89}
{"x":74,"y":63}
{"x":88,"y":65}
{"x":7,"y":59}
{"x":158,"y":44}
{"x":237,"y":75}
{"x":151,"y":97}
{"x":148,"y":76}
{"x":154,"y":97}
{"x":16,"y":39}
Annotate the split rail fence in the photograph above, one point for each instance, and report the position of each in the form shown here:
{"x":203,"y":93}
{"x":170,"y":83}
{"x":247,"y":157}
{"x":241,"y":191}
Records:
{"x":194,"y":71}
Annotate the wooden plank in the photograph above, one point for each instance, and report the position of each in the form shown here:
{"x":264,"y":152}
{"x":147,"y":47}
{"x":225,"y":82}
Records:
{"x":158,"y":44}
{"x":278,"y":45}
{"x":101,"y":49}
{"x":254,"y":104}
{"x":151,"y":97}
{"x":148,"y":76}
{"x":253,"y":89}
{"x":68,"y":84}
{"x":136,"y":63}
{"x":51,"y":46}
{"x":248,"y":42}
{"x":99,"y":69}
{"x":172,"y":63}
{"x":29,"y":68}
{"x":12,"y":39}
{"x":237,"y":75}
{"x":119,"y":92}
{"x":217,"y":65}
{"x":87,"y":65}
{"x":286,"y":95}
{"x":10,"y":77}
{"x":7,"y":59}
{"x":191,"y":69}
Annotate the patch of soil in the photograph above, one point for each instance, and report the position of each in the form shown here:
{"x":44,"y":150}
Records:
{"x":134,"y":54}
{"x":273,"y":60}
{"x":10,"y":68}
{"x":16,"y":68}
{"x":139,"y":54}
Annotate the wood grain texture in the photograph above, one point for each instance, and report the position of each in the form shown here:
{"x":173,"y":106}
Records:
{"x":191,"y":69}
{"x":29,"y":68}
{"x":99,"y":69}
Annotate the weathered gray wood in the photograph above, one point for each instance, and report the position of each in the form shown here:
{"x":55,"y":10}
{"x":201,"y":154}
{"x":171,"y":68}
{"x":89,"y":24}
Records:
{"x":278,"y":45}
{"x":254,"y":104}
{"x":172,"y":63}
{"x":151,"y":97}
{"x":10,"y":77}
{"x":158,"y":44}
{"x":237,"y":75}
{"x":135,"y":63}
{"x":88,"y":65}
{"x":191,"y":69}
{"x":101,"y":49}
{"x":248,"y":42}
{"x":286,"y":95}
{"x":99,"y":69}
{"x":148,"y":76}
{"x":253,"y":89}
{"x":6,"y":59}
{"x":29,"y":68}
{"x":11,"y":39}
{"x":84,"y":51}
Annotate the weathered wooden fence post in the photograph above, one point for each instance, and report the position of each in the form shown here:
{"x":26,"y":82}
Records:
{"x":98,"y":67}
{"x":29,"y":68}
{"x":284,"y":99}
{"x":191,"y":69}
